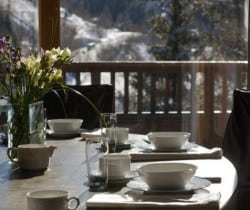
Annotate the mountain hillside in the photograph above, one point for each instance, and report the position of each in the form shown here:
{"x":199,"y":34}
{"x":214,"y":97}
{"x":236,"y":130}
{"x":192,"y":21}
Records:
{"x":88,"y":38}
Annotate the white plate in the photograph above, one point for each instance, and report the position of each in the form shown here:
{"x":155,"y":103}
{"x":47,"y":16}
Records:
{"x":51,"y":134}
{"x":130,"y":175}
{"x":195,"y":184}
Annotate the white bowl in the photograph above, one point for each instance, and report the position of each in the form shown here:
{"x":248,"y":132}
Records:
{"x":65,"y":126}
{"x":162,"y":176}
{"x":168,"y":140}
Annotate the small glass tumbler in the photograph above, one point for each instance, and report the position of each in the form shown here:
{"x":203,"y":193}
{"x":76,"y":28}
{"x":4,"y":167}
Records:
{"x":108,"y":124}
{"x":244,"y":79}
{"x":96,"y":147}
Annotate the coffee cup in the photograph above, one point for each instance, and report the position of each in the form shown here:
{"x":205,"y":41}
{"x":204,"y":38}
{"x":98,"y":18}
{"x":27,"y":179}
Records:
{"x":31,"y":156}
{"x":51,"y":200}
{"x":118,"y":164}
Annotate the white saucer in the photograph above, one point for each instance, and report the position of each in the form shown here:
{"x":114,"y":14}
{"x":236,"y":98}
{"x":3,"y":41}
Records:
{"x":119,"y":147}
{"x":130,"y":175}
{"x":52,"y":134}
{"x":184,"y":148}
{"x":195,"y":184}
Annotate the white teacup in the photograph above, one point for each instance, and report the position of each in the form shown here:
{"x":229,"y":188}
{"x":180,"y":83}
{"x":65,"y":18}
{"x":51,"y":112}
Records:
{"x":32,"y":156}
{"x":51,"y":200}
{"x":118,"y":164}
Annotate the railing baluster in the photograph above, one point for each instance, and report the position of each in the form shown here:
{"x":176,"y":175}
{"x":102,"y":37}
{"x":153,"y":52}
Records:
{"x":139,"y":91}
{"x":153,"y":94}
{"x":166,"y":94}
{"x":172,"y":72}
{"x":179,"y":91}
{"x":126,"y":95}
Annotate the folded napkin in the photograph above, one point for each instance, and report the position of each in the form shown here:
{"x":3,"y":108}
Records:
{"x":214,"y":153}
{"x":91,"y":134}
{"x":128,"y":200}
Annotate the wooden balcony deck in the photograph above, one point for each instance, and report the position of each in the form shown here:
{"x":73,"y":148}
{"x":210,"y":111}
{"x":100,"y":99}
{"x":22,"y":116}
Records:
{"x":157,"y":96}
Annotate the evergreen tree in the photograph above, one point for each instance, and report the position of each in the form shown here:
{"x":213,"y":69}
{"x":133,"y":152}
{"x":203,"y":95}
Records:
{"x":199,"y":30}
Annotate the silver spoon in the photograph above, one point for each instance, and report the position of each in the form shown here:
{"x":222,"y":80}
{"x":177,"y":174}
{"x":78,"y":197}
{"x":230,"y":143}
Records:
{"x":146,"y":140}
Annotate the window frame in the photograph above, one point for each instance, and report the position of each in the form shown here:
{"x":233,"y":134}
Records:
{"x":49,"y":23}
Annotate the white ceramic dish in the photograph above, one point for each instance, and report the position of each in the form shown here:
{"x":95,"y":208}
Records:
{"x":168,"y":140}
{"x":167,"y":175}
{"x":65,"y":126}
{"x":195,"y":183}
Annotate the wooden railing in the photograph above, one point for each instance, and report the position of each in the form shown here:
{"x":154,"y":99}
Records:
{"x":169,"y":96}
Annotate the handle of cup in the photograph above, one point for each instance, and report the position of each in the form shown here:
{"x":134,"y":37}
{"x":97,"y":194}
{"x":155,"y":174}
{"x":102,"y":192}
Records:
{"x":77,"y":202}
{"x":9,"y":154}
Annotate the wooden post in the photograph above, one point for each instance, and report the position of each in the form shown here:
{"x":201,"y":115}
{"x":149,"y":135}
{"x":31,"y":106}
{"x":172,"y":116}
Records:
{"x":248,"y":50}
{"x":49,"y":23}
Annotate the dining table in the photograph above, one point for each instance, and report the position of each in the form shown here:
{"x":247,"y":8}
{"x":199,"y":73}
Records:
{"x":67,"y":171}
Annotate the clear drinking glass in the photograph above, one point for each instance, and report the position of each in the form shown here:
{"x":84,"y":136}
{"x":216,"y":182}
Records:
{"x":96,"y":148}
{"x":108,"y":123}
{"x":244,"y":80}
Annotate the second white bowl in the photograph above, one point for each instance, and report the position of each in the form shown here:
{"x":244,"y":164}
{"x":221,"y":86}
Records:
{"x":62,"y":126}
{"x":162,"y":176}
{"x":168,"y":140}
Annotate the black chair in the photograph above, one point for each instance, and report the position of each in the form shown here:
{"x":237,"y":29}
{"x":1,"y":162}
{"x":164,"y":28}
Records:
{"x":236,"y":142}
{"x":102,"y":96}
{"x":236,"y":147}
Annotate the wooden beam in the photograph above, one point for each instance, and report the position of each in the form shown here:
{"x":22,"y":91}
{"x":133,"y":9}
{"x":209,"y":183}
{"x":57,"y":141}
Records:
{"x":248,"y":49}
{"x":49,"y":23}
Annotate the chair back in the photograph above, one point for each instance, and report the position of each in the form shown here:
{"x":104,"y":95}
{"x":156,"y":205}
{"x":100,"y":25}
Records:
{"x":236,"y":142}
{"x":102,"y":96}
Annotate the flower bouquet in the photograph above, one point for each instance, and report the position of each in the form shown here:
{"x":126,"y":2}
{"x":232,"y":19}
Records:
{"x":24,"y":81}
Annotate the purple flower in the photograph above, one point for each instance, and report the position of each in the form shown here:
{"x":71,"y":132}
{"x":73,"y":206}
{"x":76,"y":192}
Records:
{"x":23,"y":55}
{"x":2,"y":44}
{"x":42,"y":52}
{"x":13,"y":54}
{"x":5,"y":69}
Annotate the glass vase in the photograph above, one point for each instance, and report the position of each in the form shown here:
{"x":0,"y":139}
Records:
{"x":26,"y":124}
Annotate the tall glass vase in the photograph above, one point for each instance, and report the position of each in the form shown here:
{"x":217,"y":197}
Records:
{"x":26,"y":124}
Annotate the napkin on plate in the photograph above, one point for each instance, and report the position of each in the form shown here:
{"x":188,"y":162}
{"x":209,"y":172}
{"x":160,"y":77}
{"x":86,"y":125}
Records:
{"x":214,"y":153}
{"x":127,"y":200}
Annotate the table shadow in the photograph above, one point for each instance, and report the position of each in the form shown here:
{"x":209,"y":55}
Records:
{"x":11,"y":171}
